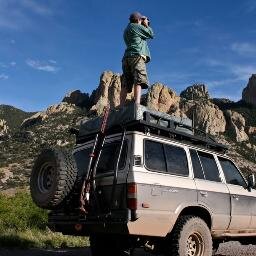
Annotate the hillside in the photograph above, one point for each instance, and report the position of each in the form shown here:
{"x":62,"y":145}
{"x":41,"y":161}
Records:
{"x":13,"y":116}
{"x":232,"y":123}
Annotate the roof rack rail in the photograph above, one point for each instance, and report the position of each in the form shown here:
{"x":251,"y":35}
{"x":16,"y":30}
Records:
{"x":139,"y":118}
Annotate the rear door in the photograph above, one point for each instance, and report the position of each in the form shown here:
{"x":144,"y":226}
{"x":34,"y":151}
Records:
{"x":212,"y":192}
{"x":108,"y":197}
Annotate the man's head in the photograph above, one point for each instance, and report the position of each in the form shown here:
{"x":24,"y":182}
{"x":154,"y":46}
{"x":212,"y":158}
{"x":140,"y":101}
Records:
{"x":135,"y":17}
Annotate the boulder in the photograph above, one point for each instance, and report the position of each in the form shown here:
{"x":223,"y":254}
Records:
{"x":163,"y":99}
{"x":236,"y":125}
{"x":195,"y":92}
{"x":77,"y":98}
{"x":4,"y":129}
{"x":251,"y":130}
{"x":249,"y":92}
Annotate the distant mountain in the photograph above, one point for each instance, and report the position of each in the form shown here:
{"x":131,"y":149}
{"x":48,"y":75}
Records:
{"x":13,"y":116}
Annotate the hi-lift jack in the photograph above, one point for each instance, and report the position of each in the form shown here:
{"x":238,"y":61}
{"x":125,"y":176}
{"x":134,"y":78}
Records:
{"x":93,"y":161}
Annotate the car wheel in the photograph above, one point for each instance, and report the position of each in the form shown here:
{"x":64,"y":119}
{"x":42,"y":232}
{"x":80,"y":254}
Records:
{"x":190,"y":237}
{"x":52,"y":178}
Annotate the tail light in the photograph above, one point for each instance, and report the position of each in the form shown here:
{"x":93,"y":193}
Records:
{"x":132,"y":196}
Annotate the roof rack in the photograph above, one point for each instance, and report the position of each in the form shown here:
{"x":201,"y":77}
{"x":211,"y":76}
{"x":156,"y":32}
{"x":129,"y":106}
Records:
{"x":140,"y":118}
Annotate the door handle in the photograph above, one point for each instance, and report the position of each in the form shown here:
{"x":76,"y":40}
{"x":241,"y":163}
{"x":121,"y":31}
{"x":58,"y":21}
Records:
{"x":236,"y":197}
{"x":204,"y":193}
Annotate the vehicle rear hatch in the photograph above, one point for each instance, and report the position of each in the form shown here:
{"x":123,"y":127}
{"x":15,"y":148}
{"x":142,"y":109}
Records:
{"x":109,"y":197}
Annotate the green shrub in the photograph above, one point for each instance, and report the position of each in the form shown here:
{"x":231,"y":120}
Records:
{"x":20,"y":213}
{"x":24,"y":225}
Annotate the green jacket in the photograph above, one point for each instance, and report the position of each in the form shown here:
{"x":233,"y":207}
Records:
{"x":135,"y":36}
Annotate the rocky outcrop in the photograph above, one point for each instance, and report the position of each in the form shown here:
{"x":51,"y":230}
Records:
{"x":207,"y":116}
{"x":77,"y":98}
{"x":161,"y":98}
{"x":251,"y":130}
{"x":4,"y":129}
{"x":195,"y":92}
{"x":236,"y":126}
{"x":249,"y":92}
{"x":37,"y":118}
{"x":108,"y":91}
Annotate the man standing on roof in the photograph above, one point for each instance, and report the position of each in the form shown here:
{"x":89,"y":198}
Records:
{"x":136,"y":56}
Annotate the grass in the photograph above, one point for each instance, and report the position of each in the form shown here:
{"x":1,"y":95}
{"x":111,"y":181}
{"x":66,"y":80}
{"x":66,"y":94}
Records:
{"x":24,"y":225}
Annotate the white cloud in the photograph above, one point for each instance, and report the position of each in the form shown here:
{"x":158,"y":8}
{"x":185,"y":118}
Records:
{"x":244,"y":48}
{"x":3,"y":77}
{"x":53,"y":61}
{"x":42,"y":65}
{"x":243,"y":72}
{"x":15,"y":14}
{"x":13,"y":64}
{"x":7,"y":65}
{"x":238,"y":71}
{"x":36,"y":7}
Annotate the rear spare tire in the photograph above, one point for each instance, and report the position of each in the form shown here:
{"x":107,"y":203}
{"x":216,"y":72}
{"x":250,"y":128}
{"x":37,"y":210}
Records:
{"x":52,"y":178}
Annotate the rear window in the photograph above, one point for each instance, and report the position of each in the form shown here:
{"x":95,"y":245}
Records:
{"x":107,"y":160}
{"x":154,"y":156}
{"x":176,"y":159}
{"x":109,"y":155}
{"x":166,"y":158}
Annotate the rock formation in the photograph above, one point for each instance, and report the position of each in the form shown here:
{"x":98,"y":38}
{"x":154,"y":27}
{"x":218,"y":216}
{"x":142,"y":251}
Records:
{"x":37,"y":118}
{"x":249,"y":92}
{"x":161,"y":98}
{"x":207,"y":116}
{"x":108,"y":91}
{"x":236,"y":125}
{"x":77,"y":98}
{"x":4,"y":129}
{"x":195,"y":92}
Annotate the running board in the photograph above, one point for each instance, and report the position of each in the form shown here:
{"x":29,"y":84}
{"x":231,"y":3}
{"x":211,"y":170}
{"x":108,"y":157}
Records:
{"x":232,"y":235}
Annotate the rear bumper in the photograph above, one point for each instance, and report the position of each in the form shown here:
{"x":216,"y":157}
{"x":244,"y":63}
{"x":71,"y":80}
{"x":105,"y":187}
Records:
{"x":84,"y":226}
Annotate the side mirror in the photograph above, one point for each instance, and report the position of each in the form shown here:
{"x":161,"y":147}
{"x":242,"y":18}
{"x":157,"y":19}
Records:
{"x":251,"y":181}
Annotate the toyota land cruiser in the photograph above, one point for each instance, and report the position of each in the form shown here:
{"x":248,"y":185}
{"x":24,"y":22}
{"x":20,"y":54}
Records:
{"x":153,"y":182}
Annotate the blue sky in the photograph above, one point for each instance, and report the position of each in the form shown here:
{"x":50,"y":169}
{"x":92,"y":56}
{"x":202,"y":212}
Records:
{"x":49,"y":47}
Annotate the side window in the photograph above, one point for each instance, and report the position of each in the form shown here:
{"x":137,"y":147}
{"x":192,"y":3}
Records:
{"x":176,"y":160}
{"x":108,"y":158}
{"x":197,"y":168}
{"x":231,"y":173}
{"x":209,"y":165}
{"x":154,"y":156}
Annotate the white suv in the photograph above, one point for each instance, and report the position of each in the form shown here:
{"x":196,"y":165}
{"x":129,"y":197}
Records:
{"x":155,"y":185}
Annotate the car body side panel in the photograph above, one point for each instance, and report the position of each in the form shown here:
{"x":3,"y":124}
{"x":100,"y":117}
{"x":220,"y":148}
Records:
{"x":160,"y":197}
{"x":215,"y":197}
{"x":241,"y":207}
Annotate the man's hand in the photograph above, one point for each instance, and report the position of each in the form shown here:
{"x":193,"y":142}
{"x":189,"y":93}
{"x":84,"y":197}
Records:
{"x":145,"y":22}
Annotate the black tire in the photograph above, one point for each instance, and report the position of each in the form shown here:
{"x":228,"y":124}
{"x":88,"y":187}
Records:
{"x":52,"y":178}
{"x":215,"y":246}
{"x":107,"y":244}
{"x":190,"y":237}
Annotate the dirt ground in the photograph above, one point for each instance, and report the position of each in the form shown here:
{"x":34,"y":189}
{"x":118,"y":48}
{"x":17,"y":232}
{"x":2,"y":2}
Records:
{"x":226,"y":249}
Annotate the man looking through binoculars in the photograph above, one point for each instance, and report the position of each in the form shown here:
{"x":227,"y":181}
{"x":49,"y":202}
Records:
{"x":136,"y":56}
